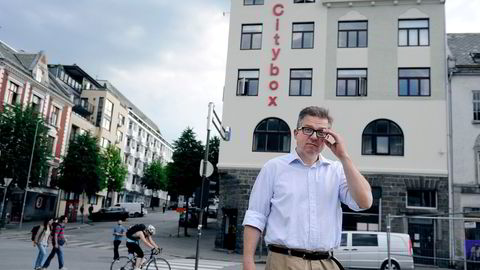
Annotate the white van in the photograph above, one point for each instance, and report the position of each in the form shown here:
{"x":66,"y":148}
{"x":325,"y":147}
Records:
{"x":134,"y":209}
{"x":368,"y":250}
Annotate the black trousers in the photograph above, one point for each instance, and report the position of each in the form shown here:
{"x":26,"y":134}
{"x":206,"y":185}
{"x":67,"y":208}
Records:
{"x":116,"y":243}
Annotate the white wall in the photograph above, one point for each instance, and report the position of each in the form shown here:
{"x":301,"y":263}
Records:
{"x":464,"y":131}
{"x":422,"y":119}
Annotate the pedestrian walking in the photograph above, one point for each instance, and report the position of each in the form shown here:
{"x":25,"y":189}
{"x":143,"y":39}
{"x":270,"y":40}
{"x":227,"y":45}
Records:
{"x":296,"y":198}
{"x":118,"y":232}
{"x":164,"y":207}
{"x":41,"y":241}
{"x":58,"y":241}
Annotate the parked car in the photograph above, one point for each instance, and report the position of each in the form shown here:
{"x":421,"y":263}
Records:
{"x":111,"y":213}
{"x":134,"y":209}
{"x":368,"y":250}
{"x":213,"y":210}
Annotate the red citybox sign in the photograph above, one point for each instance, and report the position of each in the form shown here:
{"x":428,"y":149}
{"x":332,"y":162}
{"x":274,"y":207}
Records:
{"x":180,"y":210}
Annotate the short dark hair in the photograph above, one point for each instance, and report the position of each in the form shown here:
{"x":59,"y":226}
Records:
{"x":315,"y":111}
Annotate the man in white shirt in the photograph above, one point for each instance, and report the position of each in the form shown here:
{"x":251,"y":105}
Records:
{"x":297,"y":198}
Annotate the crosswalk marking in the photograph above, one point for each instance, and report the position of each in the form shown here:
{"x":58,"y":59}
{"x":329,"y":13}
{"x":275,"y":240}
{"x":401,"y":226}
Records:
{"x":176,"y":264}
{"x":181,"y":264}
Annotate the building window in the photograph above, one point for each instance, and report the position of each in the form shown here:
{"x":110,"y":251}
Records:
{"x":121,"y":120}
{"x":119,"y":136}
{"x":351,"y":82}
{"x":92,"y":199}
{"x":271,"y":135}
{"x":302,"y":35}
{"x":476,"y":106}
{"x":422,"y":198}
{"x":413,"y":32}
{"x":37,"y":103}
{"x":106,"y":123}
{"x":51,"y":144}
{"x":54,"y":116}
{"x":105,"y":143}
{"x":300,"y":82}
{"x":251,"y":37}
{"x":12,"y":93}
{"x":382,"y":137}
{"x":414,"y":81}
{"x":108,"y":108}
{"x":303,"y":1}
{"x":352,"y":34}
{"x":252,"y":2}
{"x":247,"y":83}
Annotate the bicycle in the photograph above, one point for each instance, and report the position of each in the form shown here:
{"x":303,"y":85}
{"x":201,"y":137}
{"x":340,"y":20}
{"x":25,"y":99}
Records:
{"x":128,"y":263}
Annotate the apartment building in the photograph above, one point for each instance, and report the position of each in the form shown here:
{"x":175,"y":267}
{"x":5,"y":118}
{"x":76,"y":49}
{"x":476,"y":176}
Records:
{"x":24,"y":79}
{"x":464,"y":91}
{"x":379,"y":67}
{"x":143,"y":142}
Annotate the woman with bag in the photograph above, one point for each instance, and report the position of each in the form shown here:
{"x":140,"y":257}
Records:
{"x":41,"y":241}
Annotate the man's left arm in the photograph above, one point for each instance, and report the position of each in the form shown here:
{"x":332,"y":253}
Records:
{"x":357,"y":184}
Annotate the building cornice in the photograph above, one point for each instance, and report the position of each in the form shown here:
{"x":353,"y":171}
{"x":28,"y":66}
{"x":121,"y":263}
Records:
{"x":364,"y":3}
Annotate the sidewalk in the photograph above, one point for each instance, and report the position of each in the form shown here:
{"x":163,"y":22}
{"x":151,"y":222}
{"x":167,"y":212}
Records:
{"x":13,"y":227}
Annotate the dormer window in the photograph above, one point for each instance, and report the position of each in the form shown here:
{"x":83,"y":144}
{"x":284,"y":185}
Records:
{"x":475,"y":57}
{"x":39,"y":75}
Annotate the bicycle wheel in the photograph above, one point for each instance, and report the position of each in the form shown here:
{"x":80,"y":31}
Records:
{"x":158,"y":264}
{"x":123,"y":263}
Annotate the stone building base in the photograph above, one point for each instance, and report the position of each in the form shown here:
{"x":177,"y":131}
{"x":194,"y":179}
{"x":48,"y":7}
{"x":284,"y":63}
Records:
{"x":429,"y":237}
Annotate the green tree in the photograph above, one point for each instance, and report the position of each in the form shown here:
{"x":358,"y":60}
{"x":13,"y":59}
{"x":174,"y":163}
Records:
{"x":114,"y":169}
{"x":17,"y":132}
{"x":213,"y":150}
{"x":183,"y":171}
{"x":155,"y":176}
{"x":81,"y":170}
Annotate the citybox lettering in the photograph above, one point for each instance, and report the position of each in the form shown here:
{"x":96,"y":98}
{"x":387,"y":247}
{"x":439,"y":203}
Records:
{"x":275,"y":70}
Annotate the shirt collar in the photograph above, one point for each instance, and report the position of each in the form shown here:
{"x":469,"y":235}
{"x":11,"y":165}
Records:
{"x":293,"y":156}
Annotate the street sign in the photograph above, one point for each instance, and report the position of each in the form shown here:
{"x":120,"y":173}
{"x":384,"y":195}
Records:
{"x":470,"y":225}
{"x":7,"y":181}
{"x":209,"y":168}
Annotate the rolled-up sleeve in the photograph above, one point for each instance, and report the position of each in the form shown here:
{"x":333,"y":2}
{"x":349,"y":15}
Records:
{"x":343,"y":190}
{"x":259,"y":203}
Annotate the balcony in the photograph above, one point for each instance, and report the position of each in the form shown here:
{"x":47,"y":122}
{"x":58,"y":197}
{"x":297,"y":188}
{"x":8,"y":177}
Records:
{"x":82,"y":107}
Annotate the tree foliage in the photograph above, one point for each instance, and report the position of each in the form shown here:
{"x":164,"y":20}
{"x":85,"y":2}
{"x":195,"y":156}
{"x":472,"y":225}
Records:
{"x":81,"y":170}
{"x":17,"y":132}
{"x":213,"y":150}
{"x":183,"y":172}
{"x":155,"y":176}
{"x":114,"y":169}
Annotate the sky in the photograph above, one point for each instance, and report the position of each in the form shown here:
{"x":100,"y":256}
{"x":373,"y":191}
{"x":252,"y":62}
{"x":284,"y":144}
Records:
{"x":167,"y":57}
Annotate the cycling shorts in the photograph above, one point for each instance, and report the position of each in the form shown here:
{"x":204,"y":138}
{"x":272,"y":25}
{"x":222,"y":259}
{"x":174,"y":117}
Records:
{"x":134,"y":248}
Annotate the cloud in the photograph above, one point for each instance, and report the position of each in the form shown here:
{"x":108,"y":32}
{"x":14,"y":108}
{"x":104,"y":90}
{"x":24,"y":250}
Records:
{"x":462,"y":16}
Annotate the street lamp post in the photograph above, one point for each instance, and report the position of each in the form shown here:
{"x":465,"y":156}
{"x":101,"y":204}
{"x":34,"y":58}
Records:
{"x":6,"y":183}
{"x":28,"y":176}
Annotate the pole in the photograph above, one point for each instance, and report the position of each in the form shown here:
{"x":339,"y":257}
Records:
{"x":388,"y":242}
{"x":28,"y":176}
{"x":204,"y":178}
{"x":3,"y":201}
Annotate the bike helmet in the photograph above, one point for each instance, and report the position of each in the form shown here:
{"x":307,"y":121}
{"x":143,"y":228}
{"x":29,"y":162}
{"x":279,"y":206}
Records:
{"x":151,"y":229}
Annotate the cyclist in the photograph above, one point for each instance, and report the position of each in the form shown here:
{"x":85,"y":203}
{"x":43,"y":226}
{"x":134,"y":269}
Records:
{"x":134,"y":235}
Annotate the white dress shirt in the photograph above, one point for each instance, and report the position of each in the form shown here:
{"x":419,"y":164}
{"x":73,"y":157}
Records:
{"x":300,"y":204}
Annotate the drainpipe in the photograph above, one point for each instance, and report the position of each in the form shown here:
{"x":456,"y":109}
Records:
{"x":450,"y":157}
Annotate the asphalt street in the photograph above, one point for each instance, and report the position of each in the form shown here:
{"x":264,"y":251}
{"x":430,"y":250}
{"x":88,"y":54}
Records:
{"x":91,"y":247}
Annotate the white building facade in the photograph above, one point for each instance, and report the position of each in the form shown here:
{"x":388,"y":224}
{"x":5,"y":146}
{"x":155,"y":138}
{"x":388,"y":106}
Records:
{"x":142,"y":143}
{"x":464,"y":78}
{"x":378,"y":66}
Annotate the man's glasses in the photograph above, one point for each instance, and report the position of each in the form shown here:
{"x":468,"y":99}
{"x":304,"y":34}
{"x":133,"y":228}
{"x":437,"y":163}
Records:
{"x":309,"y":132}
